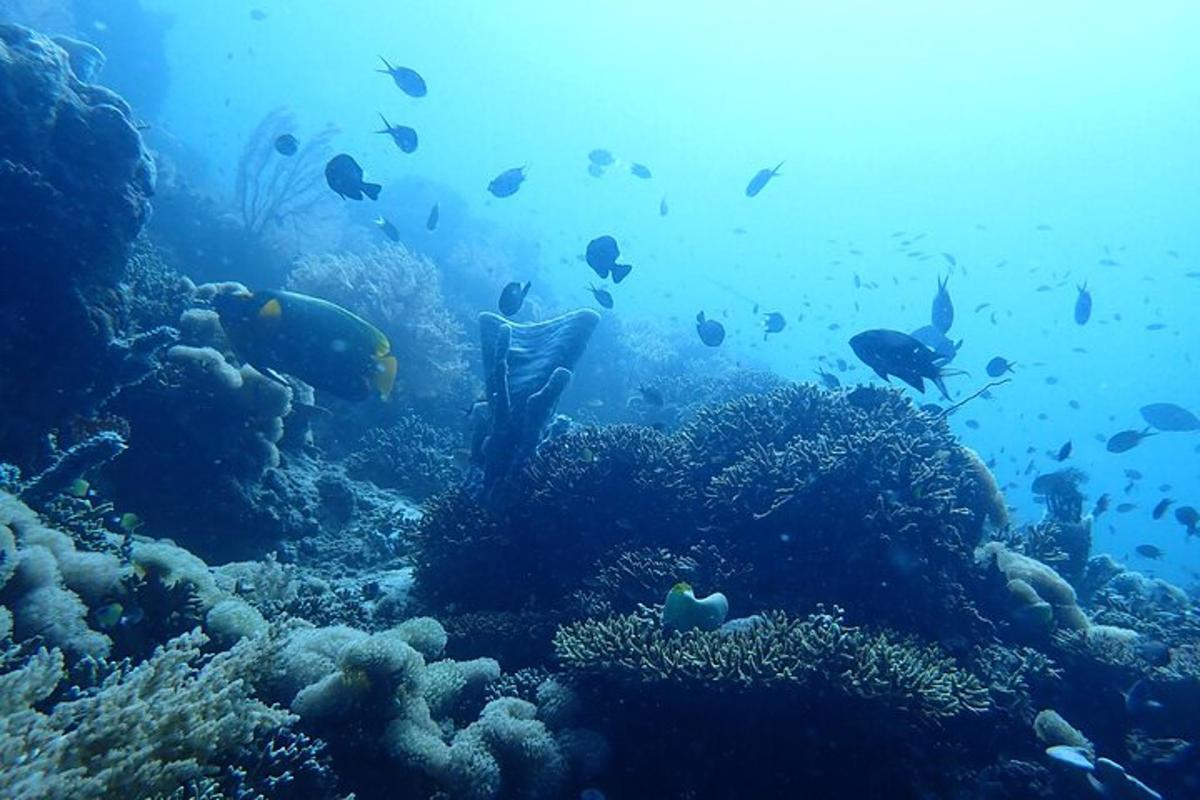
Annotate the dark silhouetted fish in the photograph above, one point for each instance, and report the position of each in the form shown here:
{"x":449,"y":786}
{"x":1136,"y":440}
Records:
{"x":603,"y":297}
{"x":287,"y":145}
{"x":345,"y":176}
{"x":512,"y":296}
{"x":601,"y":158}
{"x":1127,"y":440}
{"x":950,"y":259}
{"x":431,"y":222}
{"x":640,"y":171}
{"x":389,"y":230}
{"x":662,"y":206}
{"x":403,"y":137}
{"x":1170,"y":417}
{"x":998,"y":366}
{"x":601,"y":255}
{"x":318,"y":342}
{"x":828,"y":379}
{"x":937,"y":341}
{"x":1064,"y":452}
{"x":595,"y":171}
{"x":1154,"y":652}
{"x":1083,"y":305}
{"x":773,"y":323}
{"x":1101,"y":505}
{"x":761,"y":179}
{"x":507,"y":183}
{"x":1149,"y":551}
{"x":1160,"y":508}
{"x":890,"y":352}
{"x":407,"y":80}
{"x":942,"y":313}
{"x":712,"y":333}
{"x":1188,"y":517}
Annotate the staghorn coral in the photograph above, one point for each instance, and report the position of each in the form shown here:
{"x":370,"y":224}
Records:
{"x":409,"y":455}
{"x":173,"y":720}
{"x":399,"y":292}
{"x":818,"y":653}
{"x":809,"y":489}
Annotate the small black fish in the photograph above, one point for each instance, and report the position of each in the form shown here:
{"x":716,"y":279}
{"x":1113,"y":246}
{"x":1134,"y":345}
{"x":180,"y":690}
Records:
{"x":389,"y":230}
{"x":891,"y":352}
{"x":651,"y":396}
{"x":950,"y":259}
{"x":257,"y":14}
{"x":595,"y":171}
{"x":1127,"y":440}
{"x":1101,"y":505}
{"x":1189,"y":517}
{"x":1064,"y":452}
{"x":1161,"y":507}
{"x":345,"y":176}
{"x":828,"y":379}
{"x":1149,"y":551}
{"x":1154,"y":652}
{"x":761,"y":179}
{"x":431,"y":222}
{"x":1083,"y":305}
{"x":662,"y":206}
{"x":712,"y":333}
{"x":507,"y":183}
{"x":999,"y":366}
{"x":603,"y":297}
{"x":601,"y":256}
{"x":1125,"y":508}
{"x":407,"y":80}
{"x":402,"y":136}
{"x":512,"y":296}
{"x":640,"y":171}
{"x":773,"y":323}
{"x":287,"y":145}
{"x":942,"y":312}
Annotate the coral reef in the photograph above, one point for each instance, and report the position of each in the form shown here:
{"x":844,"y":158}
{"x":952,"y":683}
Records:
{"x":409,"y":455}
{"x":808,"y":490}
{"x":75,"y":182}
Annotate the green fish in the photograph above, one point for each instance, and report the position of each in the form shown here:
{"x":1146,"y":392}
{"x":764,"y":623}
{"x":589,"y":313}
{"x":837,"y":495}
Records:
{"x":312,"y":339}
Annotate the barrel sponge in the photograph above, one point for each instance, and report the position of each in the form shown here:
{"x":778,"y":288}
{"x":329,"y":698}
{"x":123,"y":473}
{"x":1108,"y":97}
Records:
{"x":527,"y":759}
{"x":449,"y":684}
{"x":42,"y":607}
{"x":231,"y":620}
{"x":424,"y":634}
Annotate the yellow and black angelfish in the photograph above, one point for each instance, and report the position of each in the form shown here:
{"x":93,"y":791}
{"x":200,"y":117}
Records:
{"x":318,"y":342}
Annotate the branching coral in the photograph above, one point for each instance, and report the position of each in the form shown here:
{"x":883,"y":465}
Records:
{"x":146,"y":730}
{"x":409,"y":455}
{"x":818,"y":653}
{"x":399,"y":292}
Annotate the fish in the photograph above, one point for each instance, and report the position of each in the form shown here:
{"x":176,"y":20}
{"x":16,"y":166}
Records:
{"x":402,"y":136}
{"x":512,"y":296}
{"x":1125,"y":508}
{"x":1169,"y":417}
{"x":712,"y":333}
{"x":286,"y":144}
{"x":257,"y":14}
{"x":1127,"y":440}
{"x":890,"y":352}
{"x":595,"y":171}
{"x":662,"y":206}
{"x":1064,"y":452}
{"x":431,"y":222}
{"x":999,"y":366}
{"x":829,"y":380}
{"x":639,"y":171}
{"x":345,"y":176}
{"x":603,"y":296}
{"x":761,"y":179}
{"x":1101,"y":505}
{"x":651,"y":395}
{"x":108,"y":615}
{"x":508,"y":182}
{"x":938,"y":342}
{"x":601,"y":255}
{"x":942,"y":312}
{"x":407,"y":80}
{"x":1148,"y":551}
{"x":601,"y":158}
{"x":773,"y":323}
{"x":389,"y":230}
{"x":950,"y":259}
{"x":1154,"y":652}
{"x":1160,"y":508}
{"x":314,"y":340}
{"x":1188,"y":517}
{"x":1083,"y":305}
